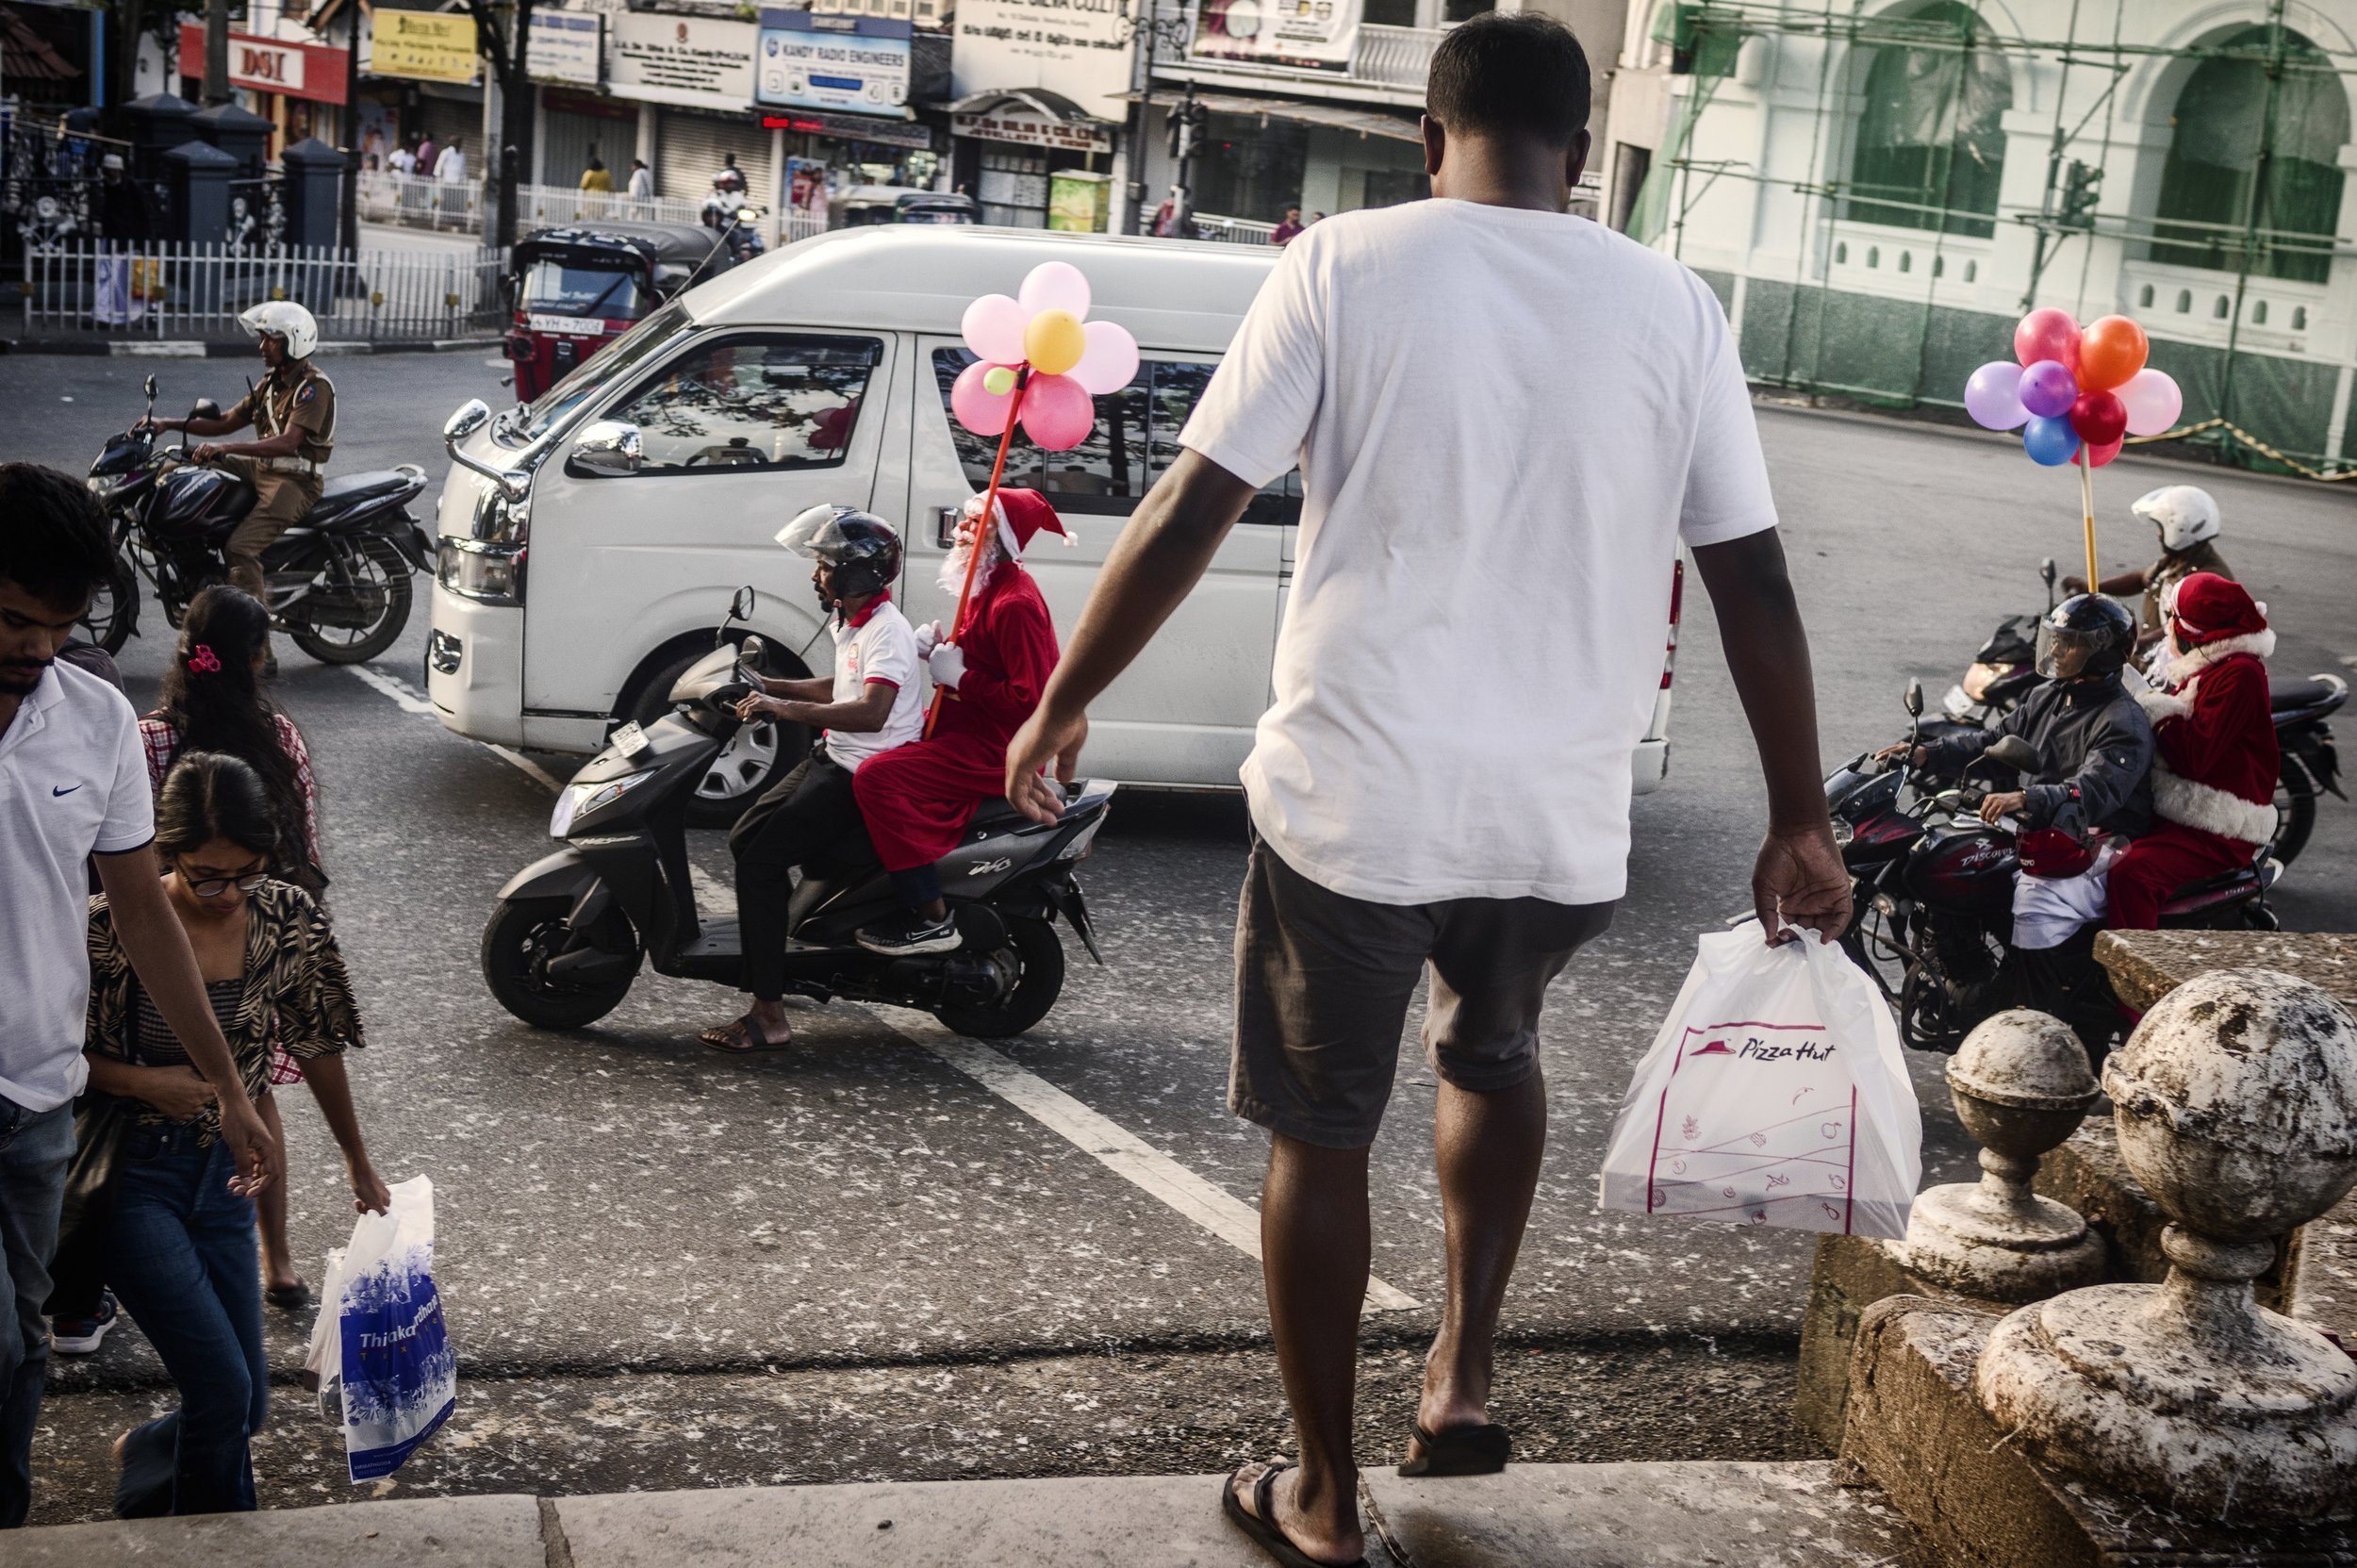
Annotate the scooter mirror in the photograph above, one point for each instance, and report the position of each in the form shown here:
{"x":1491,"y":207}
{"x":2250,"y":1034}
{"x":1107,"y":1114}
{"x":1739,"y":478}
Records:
{"x":2014,"y":752}
{"x":205,"y":408}
{"x":472,"y":416}
{"x":2046,"y":571}
{"x":149,"y":385}
{"x":741,"y":606}
{"x":1915,"y":698}
{"x":751,"y":652}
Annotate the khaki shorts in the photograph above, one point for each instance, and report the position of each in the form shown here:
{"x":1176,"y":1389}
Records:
{"x":1323,"y":983}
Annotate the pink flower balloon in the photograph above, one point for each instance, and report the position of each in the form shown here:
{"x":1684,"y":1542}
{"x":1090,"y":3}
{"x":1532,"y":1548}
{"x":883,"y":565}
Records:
{"x":1111,"y":360}
{"x":2047,"y":333}
{"x":1055,"y":286}
{"x":977,"y":406}
{"x":1058,"y":412}
{"x":993,"y":326}
{"x":2152,"y":402}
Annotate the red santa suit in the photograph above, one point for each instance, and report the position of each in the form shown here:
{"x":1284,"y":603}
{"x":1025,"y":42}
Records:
{"x":2215,"y":765}
{"x":919,"y":798}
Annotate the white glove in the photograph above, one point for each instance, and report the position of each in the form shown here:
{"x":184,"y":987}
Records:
{"x":949,"y":664}
{"x":928,"y":638}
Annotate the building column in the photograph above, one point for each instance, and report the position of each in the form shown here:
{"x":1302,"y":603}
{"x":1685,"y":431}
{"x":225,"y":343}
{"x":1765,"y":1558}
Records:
{"x":538,"y":172}
{"x":646,"y":134}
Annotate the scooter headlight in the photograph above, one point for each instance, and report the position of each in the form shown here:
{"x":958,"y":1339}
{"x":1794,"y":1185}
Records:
{"x":580,"y":801}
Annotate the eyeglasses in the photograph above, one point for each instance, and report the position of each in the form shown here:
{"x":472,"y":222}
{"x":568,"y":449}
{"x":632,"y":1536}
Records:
{"x":213,"y":887}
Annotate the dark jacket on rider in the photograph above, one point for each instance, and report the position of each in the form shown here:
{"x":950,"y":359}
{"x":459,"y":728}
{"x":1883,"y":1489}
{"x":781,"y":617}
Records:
{"x":2097,"y":747}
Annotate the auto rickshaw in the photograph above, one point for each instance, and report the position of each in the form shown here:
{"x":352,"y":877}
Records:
{"x":863,"y":204}
{"x":575,"y":288}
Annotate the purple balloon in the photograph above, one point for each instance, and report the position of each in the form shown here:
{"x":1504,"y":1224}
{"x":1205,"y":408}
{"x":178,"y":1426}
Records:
{"x":2049,"y":388}
{"x":1993,"y":396}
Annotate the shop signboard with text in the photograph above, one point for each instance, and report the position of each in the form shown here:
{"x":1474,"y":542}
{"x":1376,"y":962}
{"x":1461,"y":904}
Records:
{"x":267,"y":65}
{"x":1026,"y":128}
{"x":425,"y":47}
{"x":1315,"y":35}
{"x":1080,"y":49}
{"x":567,"y":46}
{"x":691,"y":62}
{"x":857,"y":63}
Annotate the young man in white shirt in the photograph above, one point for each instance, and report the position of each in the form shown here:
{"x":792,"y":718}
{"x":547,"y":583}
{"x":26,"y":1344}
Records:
{"x":73,"y":784}
{"x":450,"y":166}
{"x":869,"y":706}
{"x":1506,"y":420}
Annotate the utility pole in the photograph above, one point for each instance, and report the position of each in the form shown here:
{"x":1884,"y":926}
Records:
{"x":350,"y":225}
{"x":216,"y":52}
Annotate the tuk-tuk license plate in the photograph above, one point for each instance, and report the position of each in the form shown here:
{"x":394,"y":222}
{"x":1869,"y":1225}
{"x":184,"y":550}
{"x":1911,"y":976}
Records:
{"x":629,"y":739}
{"x":571,"y":326}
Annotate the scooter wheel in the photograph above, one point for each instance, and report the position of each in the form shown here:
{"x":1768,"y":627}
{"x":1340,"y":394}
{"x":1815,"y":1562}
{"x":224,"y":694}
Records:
{"x":1038,"y":957}
{"x":524,"y":934}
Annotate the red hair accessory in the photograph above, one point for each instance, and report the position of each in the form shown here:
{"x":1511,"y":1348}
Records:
{"x":203,"y":661}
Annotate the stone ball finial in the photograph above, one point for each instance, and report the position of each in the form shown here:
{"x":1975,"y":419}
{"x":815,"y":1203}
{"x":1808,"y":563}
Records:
{"x":2024,"y":1059}
{"x":2236,"y":1101}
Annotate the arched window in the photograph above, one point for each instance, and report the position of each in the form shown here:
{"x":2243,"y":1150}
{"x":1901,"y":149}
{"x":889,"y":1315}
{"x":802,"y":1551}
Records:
{"x":1931,"y":141}
{"x":2253,"y":176}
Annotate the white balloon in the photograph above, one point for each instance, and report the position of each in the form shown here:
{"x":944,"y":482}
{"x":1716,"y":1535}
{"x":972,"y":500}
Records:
{"x":1055,"y":286}
{"x":1109,"y":361}
{"x":993,"y":327}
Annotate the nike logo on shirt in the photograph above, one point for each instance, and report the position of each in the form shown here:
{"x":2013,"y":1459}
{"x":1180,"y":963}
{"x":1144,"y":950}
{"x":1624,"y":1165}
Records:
{"x":56,"y":790}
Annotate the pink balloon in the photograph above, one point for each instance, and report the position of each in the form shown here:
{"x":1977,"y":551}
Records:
{"x":2152,"y":401}
{"x":977,"y":407}
{"x":1058,"y":412}
{"x":993,"y":327}
{"x":2098,"y":455}
{"x":1110,"y":360}
{"x":1055,"y":286}
{"x":1993,"y":396}
{"x":2047,"y":389}
{"x":2047,"y":333}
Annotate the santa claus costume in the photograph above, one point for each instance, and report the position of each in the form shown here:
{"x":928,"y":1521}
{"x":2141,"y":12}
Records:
{"x":2215,"y":768}
{"x":917,"y":799}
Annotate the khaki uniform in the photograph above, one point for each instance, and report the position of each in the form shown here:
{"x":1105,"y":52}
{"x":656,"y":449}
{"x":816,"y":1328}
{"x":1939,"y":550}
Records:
{"x":297,"y":396}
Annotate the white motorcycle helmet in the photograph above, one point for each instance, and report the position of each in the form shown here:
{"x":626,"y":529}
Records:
{"x":287,"y":321}
{"x":2185,"y":514}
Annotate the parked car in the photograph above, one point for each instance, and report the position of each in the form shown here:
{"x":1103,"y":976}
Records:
{"x":651,"y":483}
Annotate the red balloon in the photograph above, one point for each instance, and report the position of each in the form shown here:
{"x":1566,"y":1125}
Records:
{"x":2047,"y":333}
{"x":2098,"y":455}
{"x":2100,"y":418}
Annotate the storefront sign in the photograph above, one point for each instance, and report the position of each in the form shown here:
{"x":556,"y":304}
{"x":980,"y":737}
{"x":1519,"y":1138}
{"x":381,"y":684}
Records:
{"x":1314,"y":34}
{"x":567,"y":46}
{"x":859,"y":63}
{"x":265,"y":65}
{"x":1078,"y":48}
{"x":428,"y":47}
{"x":694,"y":62}
{"x":1027,"y":129}
{"x":853,"y":128}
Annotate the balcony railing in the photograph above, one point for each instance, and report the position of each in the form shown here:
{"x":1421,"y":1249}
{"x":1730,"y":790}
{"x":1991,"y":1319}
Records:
{"x":1396,"y":57}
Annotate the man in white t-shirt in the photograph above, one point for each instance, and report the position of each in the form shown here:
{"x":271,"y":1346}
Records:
{"x":870,"y":705}
{"x":1506,"y":419}
{"x":450,"y":165}
{"x":73,"y":785}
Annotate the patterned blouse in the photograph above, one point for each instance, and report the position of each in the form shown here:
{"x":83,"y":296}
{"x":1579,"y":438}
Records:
{"x":162,"y":744}
{"x":295,"y":982}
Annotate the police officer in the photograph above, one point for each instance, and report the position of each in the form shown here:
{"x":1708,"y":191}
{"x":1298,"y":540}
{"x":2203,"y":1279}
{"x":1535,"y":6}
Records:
{"x":294,"y":416}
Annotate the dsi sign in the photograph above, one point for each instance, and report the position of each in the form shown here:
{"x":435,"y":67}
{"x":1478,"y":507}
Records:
{"x":267,"y":65}
{"x":855,"y":63}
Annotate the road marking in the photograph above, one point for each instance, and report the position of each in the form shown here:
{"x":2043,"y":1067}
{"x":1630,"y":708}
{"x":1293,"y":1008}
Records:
{"x":1116,"y":1149}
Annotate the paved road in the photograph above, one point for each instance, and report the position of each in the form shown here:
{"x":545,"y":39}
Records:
{"x":855,"y":1260}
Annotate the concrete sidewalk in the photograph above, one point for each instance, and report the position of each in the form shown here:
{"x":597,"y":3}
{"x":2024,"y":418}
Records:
{"x":1533,"y":1516}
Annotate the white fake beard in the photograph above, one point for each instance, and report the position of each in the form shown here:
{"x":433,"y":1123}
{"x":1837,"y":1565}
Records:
{"x":953,"y":578}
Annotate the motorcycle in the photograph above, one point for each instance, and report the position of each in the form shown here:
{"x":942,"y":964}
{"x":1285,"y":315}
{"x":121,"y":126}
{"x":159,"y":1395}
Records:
{"x":338,"y":581}
{"x":2004,"y":669}
{"x":570,"y":931}
{"x":1932,"y":886}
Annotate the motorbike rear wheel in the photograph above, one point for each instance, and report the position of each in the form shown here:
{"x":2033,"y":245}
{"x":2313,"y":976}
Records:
{"x":1038,"y":957}
{"x":2295,"y":812}
{"x":523,"y":936}
{"x":114,"y":609}
{"x":374,"y":569}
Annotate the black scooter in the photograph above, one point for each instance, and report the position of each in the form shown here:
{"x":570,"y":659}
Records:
{"x":571,"y":930}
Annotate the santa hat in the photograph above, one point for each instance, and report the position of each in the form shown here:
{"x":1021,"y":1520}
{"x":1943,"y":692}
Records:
{"x":2209,"y":608}
{"x":1022,"y":513}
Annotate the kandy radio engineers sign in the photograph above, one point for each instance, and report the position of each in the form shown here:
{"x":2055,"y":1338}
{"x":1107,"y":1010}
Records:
{"x":860,"y":63}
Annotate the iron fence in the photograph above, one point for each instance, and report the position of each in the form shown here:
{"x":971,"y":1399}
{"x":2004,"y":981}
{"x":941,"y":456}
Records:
{"x":182,"y":291}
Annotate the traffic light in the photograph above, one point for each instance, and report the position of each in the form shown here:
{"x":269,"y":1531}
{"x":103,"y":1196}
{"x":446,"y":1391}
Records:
{"x":2080,"y":196}
{"x":1185,"y":129}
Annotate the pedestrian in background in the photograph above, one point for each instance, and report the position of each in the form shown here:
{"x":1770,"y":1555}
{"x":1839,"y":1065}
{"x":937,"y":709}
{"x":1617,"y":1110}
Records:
{"x":179,"y":1236}
{"x":1283,"y":233}
{"x":73,"y":784}
{"x":427,"y":152}
{"x":1497,"y":477}
{"x":641,"y":181}
{"x":403,"y":159}
{"x":596,"y":178}
{"x":450,"y":165}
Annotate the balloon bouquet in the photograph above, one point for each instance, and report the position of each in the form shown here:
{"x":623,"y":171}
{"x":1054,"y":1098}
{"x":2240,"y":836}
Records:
{"x":1041,"y":364}
{"x":2076,"y":395}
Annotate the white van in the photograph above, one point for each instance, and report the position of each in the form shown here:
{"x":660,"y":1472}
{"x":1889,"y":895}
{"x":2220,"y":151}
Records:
{"x":822,"y":373}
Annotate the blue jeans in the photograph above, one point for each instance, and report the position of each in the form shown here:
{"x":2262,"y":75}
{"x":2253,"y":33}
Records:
{"x":36,"y":1146}
{"x":182,"y":1259}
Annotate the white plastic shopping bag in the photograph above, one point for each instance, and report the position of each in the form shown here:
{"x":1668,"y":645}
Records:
{"x":380,"y":1350}
{"x":1775,"y":1094}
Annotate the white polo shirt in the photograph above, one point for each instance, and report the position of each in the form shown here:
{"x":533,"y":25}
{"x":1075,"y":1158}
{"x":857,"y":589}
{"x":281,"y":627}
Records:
{"x":73,"y":783}
{"x":876,"y":644}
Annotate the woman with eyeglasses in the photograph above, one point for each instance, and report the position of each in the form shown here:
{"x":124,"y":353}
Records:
{"x":179,"y":1246}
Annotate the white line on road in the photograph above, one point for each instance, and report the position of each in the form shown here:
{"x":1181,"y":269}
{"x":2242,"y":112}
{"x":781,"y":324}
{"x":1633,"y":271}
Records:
{"x":412,"y":701}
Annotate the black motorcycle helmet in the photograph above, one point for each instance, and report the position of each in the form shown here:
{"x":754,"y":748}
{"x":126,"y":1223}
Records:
{"x":2105,"y":627}
{"x":859,"y":546}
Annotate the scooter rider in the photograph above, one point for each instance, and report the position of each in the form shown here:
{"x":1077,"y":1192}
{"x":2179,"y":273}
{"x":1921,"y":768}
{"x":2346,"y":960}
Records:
{"x":869,"y":706}
{"x":2186,"y":519}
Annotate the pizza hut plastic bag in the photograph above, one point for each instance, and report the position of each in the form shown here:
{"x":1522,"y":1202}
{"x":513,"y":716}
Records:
{"x":1775,"y":1094}
{"x":380,"y":1349}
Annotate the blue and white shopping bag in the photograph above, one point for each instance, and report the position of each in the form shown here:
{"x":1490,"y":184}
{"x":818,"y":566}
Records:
{"x":381,"y":1340}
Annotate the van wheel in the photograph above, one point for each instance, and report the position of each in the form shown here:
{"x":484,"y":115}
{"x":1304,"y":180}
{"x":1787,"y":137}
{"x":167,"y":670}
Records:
{"x":757,"y":757}
{"x":1037,"y":957}
{"x":522,"y":937}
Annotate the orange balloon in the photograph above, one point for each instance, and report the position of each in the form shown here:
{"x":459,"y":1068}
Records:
{"x":2110,"y":350}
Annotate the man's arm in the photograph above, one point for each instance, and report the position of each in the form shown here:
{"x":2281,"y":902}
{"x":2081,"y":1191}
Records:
{"x":281,"y":445}
{"x":1799,"y":880}
{"x":865,"y":716}
{"x":1163,"y":552}
{"x":158,"y":948}
{"x":819,"y":688}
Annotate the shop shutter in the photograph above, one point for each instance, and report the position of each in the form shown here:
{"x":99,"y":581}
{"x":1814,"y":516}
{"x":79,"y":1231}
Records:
{"x":444,"y":117}
{"x":569,"y":139}
{"x":690,"y":148}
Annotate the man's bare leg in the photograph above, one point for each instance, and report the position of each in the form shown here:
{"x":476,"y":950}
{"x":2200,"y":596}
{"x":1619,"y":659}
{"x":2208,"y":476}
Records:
{"x":1314,"y":1256}
{"x":1488,"y":1149}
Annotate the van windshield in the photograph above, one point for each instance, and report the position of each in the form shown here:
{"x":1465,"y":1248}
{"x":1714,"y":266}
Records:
{"x":612,"y":363}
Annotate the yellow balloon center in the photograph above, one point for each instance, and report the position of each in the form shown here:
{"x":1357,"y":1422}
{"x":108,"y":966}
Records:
{"x":998,"y":382}
{"x":1054,"y":342}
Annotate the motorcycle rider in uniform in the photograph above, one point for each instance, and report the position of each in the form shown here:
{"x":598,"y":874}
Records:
{"x":294,"y":416}
{"x":2186,"y":519}
{"x":2095,"y":747}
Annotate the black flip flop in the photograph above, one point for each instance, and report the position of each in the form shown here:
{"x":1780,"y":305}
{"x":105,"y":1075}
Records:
{"x":753,"y":1033}
{"x":1261,"y":1527}
{"x":288,"y":1298}
{"x":1462,"y":1451}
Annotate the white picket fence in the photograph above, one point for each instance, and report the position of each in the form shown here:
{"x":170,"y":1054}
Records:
{"x":461,"y":208}
{"x":197,"y":292}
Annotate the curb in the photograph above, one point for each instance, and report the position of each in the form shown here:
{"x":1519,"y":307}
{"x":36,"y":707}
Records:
{"x":198,"y":348}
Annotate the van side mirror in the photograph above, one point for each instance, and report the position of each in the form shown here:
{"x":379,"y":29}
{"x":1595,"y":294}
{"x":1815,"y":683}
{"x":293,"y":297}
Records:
{"x":472,"y":416}
{"x":741,"y":607}
{"x":1915,"y":698}
{"x":610,"y":449}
